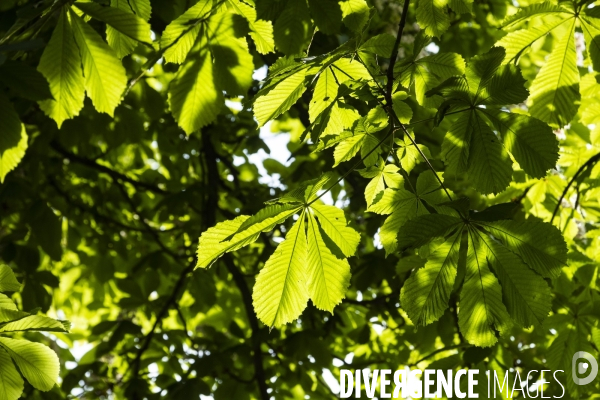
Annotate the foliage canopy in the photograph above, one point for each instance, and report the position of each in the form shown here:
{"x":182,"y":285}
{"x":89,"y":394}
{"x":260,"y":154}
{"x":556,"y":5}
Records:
{"x":434,"y":202}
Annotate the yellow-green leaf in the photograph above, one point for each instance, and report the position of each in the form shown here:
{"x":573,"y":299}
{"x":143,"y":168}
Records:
{"x":61,"y":65}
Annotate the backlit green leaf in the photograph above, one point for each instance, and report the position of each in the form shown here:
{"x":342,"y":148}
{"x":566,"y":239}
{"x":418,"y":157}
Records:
{"x":61,"y":66}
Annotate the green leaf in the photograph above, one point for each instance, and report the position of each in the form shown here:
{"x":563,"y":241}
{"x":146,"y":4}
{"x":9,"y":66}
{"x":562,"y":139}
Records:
{"x":381,"y":45}
{"x":233,"y":64}
{"x":560,"y":353}
{"x":427,"y":72}
{"x":212,"y":244}
{"x":555,"y":90}
{"x":592,"y":39}
{"x":472,"y":147}
{"x":341,"y":116}
{"x":324,"y":95}
{"x":33,"y":323}
{"x":426,"y":292}
{"x":444,"y":65}
{"x":193,"y":98}
{"x":46,"y":227}
{"x":506,"y":87}
{"x":38,"y":364}
{"x":420,"y":230}
{"x":142,"y":8}
{"x":179,"y":36}
{"x":261,"y":31}
{"x":456,"y":145}
{"x":8,"y":281}
{"x":526,"y":294}
{"x":490,"y":168}
{"x":279,"y":99}
{"x":121,"y":44}
{"x":292,"y":30}
{"x":355,"y":13}
{"x":432,"y":16}
{"x":517,"y":42}
{"x":24,"y":80}
{"x":346,"y":69}
{"x":481,"y":70}
{"x":9,"y":314}
{"x":13,"y":138}
{"x":546,"y":257}
{"x":408,"y":154}
{"x":481,"y":308}
{"x":267,"y":214}
{"x":534,"y":10}
{"x":11,"y":383}
{"x":381,"y":176}
{"x":328,"y":277}
{"x":280,"y":293}
{"x":327,"y":15}
{"x":227,"y":236}
{"x":61,"y":66}
{"x":461,"y":6}
{"x":5,"y":301}
{"x":105,"y":78}
{"x":333,"y":223}
{"x":125,"y":22}
{"x":403,"y":206}
{"x":348,"y":148}
{"x":530,"y":141}
{"x":401,"y":109}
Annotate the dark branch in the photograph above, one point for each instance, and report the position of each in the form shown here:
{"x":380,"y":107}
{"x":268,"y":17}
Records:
{"x":171,"y":300}
{"x":99,"y":167}
{"x":259,"y":372}
{"x":152,"y":232}
{"x":394,"y":56}
{"x":212,"y":178}
{"x":588,"y":163}
{"x":433,"y":353}
{"x":91,"y":210}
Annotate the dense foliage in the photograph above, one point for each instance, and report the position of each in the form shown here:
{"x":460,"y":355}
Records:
{"x":439,"y":206}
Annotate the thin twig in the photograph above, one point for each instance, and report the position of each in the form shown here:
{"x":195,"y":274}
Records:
{"x":588,"y":163}
{"x":394,"y":56}
{"x":394,"y":120}
{"x":433,"y":353}
{"x":149,"y":229}
{"x":352,"y":168}
{"x":111,"y":172}
{"x":172,"y":299}
{"x":388,"y":95}
{"x":91,"y":210}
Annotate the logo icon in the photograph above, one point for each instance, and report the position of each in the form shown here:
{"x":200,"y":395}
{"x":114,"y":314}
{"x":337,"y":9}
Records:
{"x":580,"y":367}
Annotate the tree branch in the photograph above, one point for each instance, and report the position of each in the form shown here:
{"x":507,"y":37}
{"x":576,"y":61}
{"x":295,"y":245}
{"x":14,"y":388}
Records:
{"x":588,"y":163}
{"x":112,"y":173}
{"x":433,"y":353}
{"x":172,"y":299}
{"x":152,"y":232}
{"x":259,"y":372}
{"x":91,"y":210}
{"x":212,"y":178}
{"x":394,"y":56}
